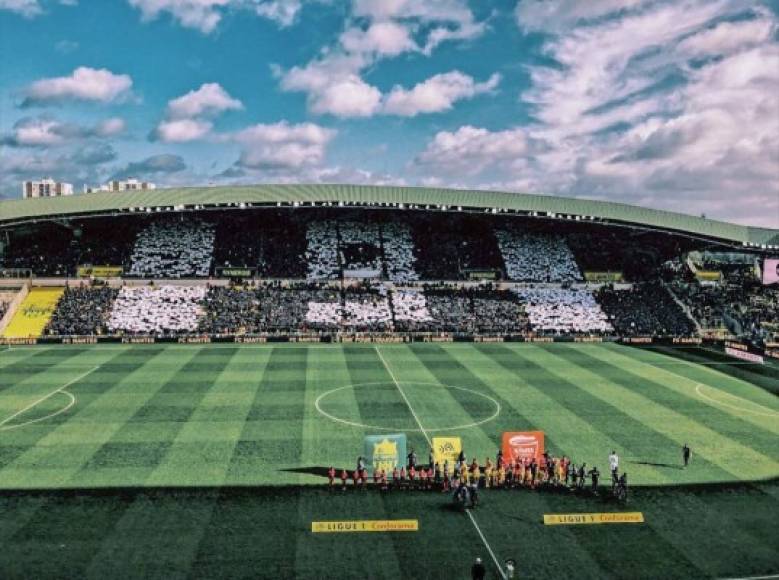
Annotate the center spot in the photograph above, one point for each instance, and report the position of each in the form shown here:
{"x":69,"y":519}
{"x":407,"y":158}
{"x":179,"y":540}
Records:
{"x":386,"y":409}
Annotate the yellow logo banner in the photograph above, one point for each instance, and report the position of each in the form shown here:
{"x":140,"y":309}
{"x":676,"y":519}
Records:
{"x":366,"y":526}
{"x":612,"y":518}
{"x":447,"y":448}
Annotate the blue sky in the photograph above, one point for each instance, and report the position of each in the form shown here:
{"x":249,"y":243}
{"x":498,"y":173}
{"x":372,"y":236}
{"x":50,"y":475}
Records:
{"x":664,"y":104}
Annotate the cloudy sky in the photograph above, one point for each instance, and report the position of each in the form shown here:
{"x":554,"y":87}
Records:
{"x":673,"y":105}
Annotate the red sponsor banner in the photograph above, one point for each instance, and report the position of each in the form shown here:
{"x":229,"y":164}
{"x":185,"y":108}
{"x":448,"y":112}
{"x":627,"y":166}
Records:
{"x":523,"y":445}
{"x":743,"y":355}
{"x":770,"y":271}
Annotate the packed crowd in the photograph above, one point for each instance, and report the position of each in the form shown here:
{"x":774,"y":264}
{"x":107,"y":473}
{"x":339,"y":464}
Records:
{"x":360,"y":249}
{"x":644,"y":310}
{"x":534,"y":257}
{"x":82,"y":311}
{"x":157,"y":310}
{"x":452,"y":246}
{"x":173,"y":249}
{"x":563,"y":311}
{"x":282,"y":308}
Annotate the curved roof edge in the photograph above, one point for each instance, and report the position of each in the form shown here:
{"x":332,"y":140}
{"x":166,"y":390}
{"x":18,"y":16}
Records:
{"x":102,"y":202}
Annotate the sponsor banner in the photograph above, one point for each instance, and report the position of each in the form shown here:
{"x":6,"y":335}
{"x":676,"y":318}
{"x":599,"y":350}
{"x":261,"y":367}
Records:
{"x":235,"y":272}
{"x":708,"y":275}
{"x":250,"y":339}
{"x":588,"y":339}
{"x":362,"y":273}
{"x":482,"y":274}
{"x":365,"y":526}
{"x":79,"y":340}
{"x":99,"y":271}
{"x":687,"y":340}
{"x":638,"y":340}
{"x":576,"y":519}
{"x":523,"y":445}
{"x":385,"y":451}
{"x":744,"y":355}
{"x":18,"y":341}
{"x":194,"y":339}
{"x":603,"y":276}
{"x":771,"y":271}
{"x":447,"y":449}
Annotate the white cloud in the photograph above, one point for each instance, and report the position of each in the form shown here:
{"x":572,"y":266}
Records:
{"x":26,"y":8}
{"x":436,"y":94}
{"x":187,"y":116}
{"x":728,"y":37}
{"x":560,"y":15}
{"x":49,"y":132}
{"x":283,"y":12}
{"x":383,"y":38}
{"x":205,"y":15}
{"x":182,"y":130}
{"x":282,"y":145}
{"x":333,"y":88}
{"x":209,"y":99}
{"x":379,"y":29}
{"x":84,"y":84}
{"x":668,"y":104}
{"x":110,"y":127}
{"x":471,"y":150}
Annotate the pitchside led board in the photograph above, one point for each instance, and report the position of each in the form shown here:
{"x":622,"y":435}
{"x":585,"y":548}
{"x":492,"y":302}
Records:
{"x":523,"y":445}
{"x":385,"y":451}
{"x":447,"y":449}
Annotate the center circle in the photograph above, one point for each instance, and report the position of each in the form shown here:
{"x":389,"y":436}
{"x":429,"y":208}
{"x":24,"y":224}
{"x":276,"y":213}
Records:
{"x":322,"y":399}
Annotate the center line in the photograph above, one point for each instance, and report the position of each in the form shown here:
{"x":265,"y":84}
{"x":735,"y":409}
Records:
{"x":402,"y":394}
{"x":421,"y":428}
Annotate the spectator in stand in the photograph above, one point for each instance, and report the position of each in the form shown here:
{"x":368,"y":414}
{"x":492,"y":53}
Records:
{"x":82,"y":311}
{"x":645,"y":310}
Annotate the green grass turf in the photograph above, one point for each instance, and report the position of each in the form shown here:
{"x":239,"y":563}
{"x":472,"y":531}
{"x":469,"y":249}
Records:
{"x":171,"y":462}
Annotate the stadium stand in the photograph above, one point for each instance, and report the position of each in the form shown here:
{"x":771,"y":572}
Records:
{"x":646,"y":309}
{"x":399,"y":255}
{"x":173,"y":249}
{"x":34,"y":313}
{"x":322,"y":251}
{"x":449,"y":246}
{"x":534,"y":257}
{"x":563,"y":311}
{"x":157,"y":310}
{"x":410,"y":310}
{"x":82,"y":311}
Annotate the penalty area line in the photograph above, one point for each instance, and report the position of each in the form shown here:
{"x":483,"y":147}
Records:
{"x":39,"y":401}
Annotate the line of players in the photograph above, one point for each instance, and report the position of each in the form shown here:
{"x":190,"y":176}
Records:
{"x":528,"y":473}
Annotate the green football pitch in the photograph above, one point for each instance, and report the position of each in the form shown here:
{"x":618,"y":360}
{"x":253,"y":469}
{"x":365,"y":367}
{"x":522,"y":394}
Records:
{"x":207,"y":461}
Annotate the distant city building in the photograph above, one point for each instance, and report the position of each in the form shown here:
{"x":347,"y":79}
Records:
{"x":46,"y":188}
{"x":130,"y":184}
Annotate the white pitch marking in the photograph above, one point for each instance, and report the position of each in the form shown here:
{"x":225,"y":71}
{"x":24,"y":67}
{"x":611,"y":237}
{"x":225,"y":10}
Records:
{"x":63,"y":387}
{"x":421,"y":428}
{"x":766,"y":413}
{"x":402,"y":394}
{"x":49,"y":416}
{"x":769,"y":577}
{"x":320,"y":398}
{"x":486,"y":544}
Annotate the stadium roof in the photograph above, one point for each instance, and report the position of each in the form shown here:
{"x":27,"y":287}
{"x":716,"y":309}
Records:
{"x":29,"y":210}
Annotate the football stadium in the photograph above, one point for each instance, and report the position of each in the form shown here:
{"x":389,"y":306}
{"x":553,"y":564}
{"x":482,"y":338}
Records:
{"x":333,"y":381}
